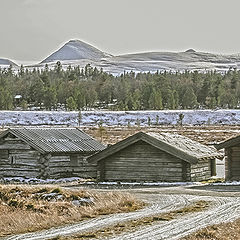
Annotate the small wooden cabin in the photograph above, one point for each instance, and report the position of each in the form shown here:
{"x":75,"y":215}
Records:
{"x":232,"y":157}
{"x":156,"y":157}
{"x":47,"y":153}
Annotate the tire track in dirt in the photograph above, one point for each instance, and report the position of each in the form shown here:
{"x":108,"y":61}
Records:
{"x":158,"y":204}
{"x":223,"y":209}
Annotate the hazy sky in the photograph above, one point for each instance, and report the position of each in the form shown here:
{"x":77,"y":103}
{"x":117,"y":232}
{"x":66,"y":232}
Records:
{"x":32,"y":29}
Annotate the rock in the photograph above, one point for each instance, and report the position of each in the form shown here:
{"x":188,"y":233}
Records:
{"x":51,"y":196}
{"x":83,"y":202}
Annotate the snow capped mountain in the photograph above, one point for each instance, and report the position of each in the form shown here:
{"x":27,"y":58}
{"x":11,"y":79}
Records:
{"x":78,"y":53}
{"x":76,"y":50}
{"x":6,"y":62}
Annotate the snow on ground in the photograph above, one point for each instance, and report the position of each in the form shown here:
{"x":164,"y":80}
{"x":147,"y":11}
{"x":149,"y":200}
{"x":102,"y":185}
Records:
{"x":84,"y":182}
{"x":120,"y":118}
{"x":39,"y":181}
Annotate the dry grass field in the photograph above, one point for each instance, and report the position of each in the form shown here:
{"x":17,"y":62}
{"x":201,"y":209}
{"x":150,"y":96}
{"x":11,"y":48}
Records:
{"x":206,"y":134}
{"x":31,"y":208}
{"x":225,"y":231}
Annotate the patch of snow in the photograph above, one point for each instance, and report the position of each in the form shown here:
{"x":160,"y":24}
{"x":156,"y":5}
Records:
{"x":39,"y":181}
{"x":144,"y":183}
{"x":120,"y":118}
{"x":228,"y":183}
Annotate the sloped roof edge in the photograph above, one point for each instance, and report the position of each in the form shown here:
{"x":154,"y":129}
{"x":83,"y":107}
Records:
{"x":115,"y":148}
{"x":161,"y":145}
{"x":228,"y":143}
{"x":88,"y":144}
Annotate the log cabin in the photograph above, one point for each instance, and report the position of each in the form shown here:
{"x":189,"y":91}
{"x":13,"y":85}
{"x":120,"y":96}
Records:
{"x":47,"y":153}
{"x":156,"y":157}
{"x":232,"y":157}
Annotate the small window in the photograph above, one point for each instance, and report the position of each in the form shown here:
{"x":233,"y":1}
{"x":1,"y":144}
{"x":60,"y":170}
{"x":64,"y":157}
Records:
{"x":12,"y":159}
{"x":73,"y":161}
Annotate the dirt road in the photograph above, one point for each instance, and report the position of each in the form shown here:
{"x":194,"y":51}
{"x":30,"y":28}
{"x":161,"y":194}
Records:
{"x":224,"y":207}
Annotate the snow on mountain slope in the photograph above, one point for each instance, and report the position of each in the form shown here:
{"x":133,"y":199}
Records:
{"x":78,"y":53}
{"x":6,"y":62}
{"x":76,"y":50}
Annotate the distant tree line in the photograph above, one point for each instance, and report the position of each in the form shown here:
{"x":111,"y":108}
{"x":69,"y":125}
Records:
{"x":85,"y":88}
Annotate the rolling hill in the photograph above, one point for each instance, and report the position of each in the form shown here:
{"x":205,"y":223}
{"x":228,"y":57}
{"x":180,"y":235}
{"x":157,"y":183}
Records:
{"x":76,"y":52}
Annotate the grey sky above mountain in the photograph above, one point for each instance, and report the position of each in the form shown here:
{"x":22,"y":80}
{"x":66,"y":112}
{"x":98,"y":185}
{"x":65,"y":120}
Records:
{"x":32,"y":29}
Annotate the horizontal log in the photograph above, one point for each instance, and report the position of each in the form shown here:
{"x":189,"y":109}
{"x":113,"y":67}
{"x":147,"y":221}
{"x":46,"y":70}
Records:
{"x":141,"y":174}
{"x":140,"y":169}
{"x":136,"y":162}
{"x":21,"y":173}
{"x":20,"y":165}
{"x":144,"y":166}
{"x":15,"y":146}
{"x":173,"y":179}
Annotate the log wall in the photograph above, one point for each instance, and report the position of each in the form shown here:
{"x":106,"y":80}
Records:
{"x":141,"y":162}
{"x":17,"y":159}
{"x":201,"y":170}
{"x":233,"y":163}
{"x":71,"y":165}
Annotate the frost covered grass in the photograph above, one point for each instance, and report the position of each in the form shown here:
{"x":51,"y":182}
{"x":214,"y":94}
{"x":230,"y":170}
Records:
{"x":224,"y":231}
{"x":121,"y":118}
{"x":26,"y":208}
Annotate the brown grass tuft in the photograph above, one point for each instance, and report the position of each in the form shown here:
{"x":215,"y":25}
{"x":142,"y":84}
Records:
{"x":32,"y":208}
{"x":224,"y":231}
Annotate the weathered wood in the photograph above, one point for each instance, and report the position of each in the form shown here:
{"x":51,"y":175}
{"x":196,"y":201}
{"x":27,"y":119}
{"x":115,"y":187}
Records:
{"x":144,"y":162}
{"x":140,"y":162}
{"x":18,"y":160}
{"x":16,"y":155}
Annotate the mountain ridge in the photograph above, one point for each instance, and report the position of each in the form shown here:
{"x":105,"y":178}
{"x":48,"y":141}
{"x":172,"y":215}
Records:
{"x":7,"y":62}
{"x":75,"y":50}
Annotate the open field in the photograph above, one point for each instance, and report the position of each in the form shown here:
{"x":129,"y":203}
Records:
{"x":162,"y":218}
{"x":206,"y":134}
{"x":31,"y":208}
{"x":224,"y":231}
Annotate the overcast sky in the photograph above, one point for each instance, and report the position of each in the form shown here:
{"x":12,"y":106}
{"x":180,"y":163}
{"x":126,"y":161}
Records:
{"x":32,"y":29}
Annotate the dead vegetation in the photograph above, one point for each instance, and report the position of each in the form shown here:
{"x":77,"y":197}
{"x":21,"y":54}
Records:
{"x":26,"y":208}
{"x":224,"y":231}
{"x":206,"y":134}
{"x":134,"y":225}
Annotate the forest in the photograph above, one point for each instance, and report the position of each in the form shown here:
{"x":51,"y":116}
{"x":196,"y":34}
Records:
{"x":88,"y":88}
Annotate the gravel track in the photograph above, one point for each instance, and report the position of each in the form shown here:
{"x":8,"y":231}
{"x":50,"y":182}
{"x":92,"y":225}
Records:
{"x":162,"y":203}
{"x":222,"y":209}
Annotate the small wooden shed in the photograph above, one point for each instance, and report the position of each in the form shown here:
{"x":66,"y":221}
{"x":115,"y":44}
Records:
{"x":47,"y":153}
{"x":232,"y":157}
{"x":156,"y":157}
